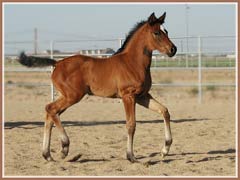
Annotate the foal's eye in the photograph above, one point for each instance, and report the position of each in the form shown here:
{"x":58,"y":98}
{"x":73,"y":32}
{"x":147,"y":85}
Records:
{"x":157,"y":33}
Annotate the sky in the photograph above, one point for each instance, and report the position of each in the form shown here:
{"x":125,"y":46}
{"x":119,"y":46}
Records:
{"x":57,"y":22}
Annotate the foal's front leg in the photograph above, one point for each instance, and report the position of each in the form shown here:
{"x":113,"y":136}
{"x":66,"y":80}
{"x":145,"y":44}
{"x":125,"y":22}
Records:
{"x":149,"y":102}
{"x":129,"y":105}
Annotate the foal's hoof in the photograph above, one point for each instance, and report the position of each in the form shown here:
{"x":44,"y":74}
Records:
{"x":64,"y":152}
{"x":163,"y":155}
{"x":63,"y":155}
{"x":48,"y":157}
{"x":164,"y":152}
{"x":132,"y":159}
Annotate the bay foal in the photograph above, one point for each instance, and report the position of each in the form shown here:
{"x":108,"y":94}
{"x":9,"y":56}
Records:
{"x":124,"y":75}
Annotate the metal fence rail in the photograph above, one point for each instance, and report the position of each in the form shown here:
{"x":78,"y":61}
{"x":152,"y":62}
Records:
{"x":181,"y":56}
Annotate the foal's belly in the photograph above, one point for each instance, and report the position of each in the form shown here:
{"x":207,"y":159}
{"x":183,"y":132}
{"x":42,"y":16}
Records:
{"x":103,"y":91}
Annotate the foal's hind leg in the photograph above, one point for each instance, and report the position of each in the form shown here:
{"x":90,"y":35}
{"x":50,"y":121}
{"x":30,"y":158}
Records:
{"x":149,"y":102}
{"x":47,"y":139}
{"x":54,"y":109}
{"x":52,"y":117}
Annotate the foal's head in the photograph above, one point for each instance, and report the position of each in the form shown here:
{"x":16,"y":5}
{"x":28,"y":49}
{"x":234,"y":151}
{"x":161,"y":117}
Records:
{"x":158,"y":36}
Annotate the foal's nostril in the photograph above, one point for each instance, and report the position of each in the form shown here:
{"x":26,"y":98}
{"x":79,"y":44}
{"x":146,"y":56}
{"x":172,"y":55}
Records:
{"x":173,"y":49}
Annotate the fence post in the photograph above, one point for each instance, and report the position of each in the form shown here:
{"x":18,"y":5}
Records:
{"x":51,"y":56}
{"x":199,"y":70}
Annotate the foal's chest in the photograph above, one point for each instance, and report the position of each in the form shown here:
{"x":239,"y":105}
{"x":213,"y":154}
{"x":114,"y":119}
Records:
{"x":137,"y":85}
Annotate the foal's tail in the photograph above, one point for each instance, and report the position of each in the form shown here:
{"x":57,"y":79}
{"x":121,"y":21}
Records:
{"x":31,"y":61}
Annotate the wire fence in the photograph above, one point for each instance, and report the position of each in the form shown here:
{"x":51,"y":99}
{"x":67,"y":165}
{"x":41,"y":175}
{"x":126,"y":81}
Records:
{"x":204,"y":53}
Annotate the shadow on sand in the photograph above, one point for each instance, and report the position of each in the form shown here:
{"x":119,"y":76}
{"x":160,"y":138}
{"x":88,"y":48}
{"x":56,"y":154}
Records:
{"x":35,"y":124}
{"x":215,"y":155}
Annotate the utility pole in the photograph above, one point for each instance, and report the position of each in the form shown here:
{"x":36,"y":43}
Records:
{"x":187,"y":33}
{"x":35,"y":40}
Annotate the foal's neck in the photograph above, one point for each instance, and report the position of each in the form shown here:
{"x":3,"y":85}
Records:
{"x":137,"y":50}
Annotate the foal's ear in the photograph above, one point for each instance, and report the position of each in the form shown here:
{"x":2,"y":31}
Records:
{"x":162,"y":18}
{"x":152,"y":19}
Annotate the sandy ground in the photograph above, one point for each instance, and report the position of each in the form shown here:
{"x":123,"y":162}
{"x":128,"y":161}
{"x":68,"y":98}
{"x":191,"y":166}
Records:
{"x":203,"y":135}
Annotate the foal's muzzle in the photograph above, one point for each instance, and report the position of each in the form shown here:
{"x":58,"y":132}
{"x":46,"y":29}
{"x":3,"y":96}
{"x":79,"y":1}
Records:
{"x":172,"y":51}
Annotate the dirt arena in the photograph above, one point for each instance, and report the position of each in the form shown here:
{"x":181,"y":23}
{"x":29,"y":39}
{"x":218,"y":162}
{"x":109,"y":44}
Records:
{"x":203,"y":134}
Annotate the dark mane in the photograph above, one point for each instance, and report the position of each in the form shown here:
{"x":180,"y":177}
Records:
{"x":129,"y":36}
